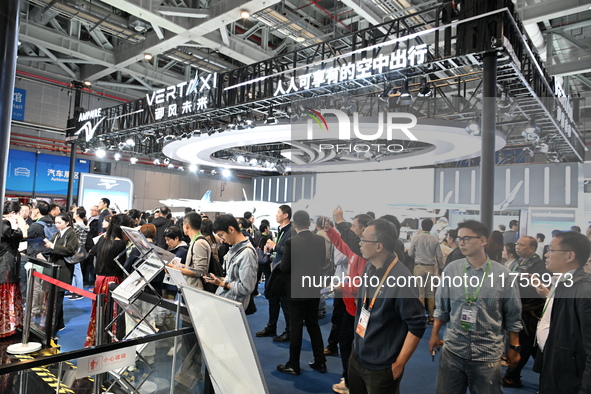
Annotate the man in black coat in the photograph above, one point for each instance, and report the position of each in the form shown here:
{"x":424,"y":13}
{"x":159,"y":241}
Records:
{"x":301,"y":267}
{"x":162,"y":222}
{"x":531,"y":306}
{"x":274,"y":285}
{"x":564,"y":331}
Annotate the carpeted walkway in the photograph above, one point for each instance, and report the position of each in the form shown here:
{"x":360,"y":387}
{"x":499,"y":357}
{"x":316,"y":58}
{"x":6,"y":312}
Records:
{"x":419,"y":375}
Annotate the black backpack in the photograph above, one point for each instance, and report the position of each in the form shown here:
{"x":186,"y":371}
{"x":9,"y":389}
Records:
{"x":215,"y":268}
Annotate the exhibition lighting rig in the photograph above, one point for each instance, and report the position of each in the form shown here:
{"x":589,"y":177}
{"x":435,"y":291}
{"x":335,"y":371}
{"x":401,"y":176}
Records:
{"x":424,"y":63}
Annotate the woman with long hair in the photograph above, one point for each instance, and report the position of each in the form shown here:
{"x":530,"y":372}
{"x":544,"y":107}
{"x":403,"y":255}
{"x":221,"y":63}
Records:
{"x":64,"y":244}
{"x":494,"y":246}
{"x":110,"y":248}
{"x":80,"y":226}
{"x":510,"y":255}
{"x":211,"y":238}
{"x":11,"y":302}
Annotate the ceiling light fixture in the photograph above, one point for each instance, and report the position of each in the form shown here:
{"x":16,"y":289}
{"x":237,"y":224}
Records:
{"x":271,"y":119}
{"x":148,"y":56}
{"x":192,"y":168}
{"x":117,"y":156}
{"x":100,"y":153}
{"x":244,"y":14}
{"x":226,"y":173}
{"x":87,"y":83}
{"x":156,"y":162}
{"x":166,"y":161}
{"x":425,"y":91}
{"x":280,"y":168}
{"x":130,"y":142}
{"x":385,"y":95}
{"x":133,"y":160}
{"x":528,"y":151}
{"x":405,"y":97}
{"x":474,"y":127}
{"x":170,"y":166}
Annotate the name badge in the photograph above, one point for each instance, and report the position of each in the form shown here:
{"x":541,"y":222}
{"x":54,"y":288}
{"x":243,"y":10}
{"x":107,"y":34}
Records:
{"x":468,"y":321}
{"x":362,"y":324}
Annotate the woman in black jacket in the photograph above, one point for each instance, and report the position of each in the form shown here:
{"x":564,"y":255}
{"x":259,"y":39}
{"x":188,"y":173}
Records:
{"x":110,"y":247}
{"x":64,"y":244}
{"x":11,"y":303}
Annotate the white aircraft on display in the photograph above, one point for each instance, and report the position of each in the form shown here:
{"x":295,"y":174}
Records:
{"x":407,"y":210}
{"x":260,"y":209}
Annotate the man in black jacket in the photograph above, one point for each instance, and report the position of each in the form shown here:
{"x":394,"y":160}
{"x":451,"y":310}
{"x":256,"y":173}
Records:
{"x":103,"y":207}
{"x":39,"y":213}
{"x":161,"y":222}
{"x":274,"y":286}
{"x":301,"y":268}
{"x":564,"y":331}
{"x":531,"y":306}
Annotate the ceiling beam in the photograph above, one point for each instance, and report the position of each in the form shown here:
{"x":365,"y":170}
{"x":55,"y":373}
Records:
{"x":70,"y":46}
{"x":367,"y":11}
{"x":551,"y":9}
{"x":221,"y":14}
{"x":570,"y":68}
{"x":186,"y":12}
{"x":48,"y":53}
{"x":47,"y":59}
{"x":148,"y":11}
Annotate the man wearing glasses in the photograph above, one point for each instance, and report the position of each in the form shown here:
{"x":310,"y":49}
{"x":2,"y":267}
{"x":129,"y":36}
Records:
{"x":390,"y":318}
{"x":564,"y":331}
{"x":477,"y":310}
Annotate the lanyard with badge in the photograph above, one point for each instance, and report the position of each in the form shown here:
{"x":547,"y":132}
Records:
{"x":469,"y":310}
{"x":365,"y":312}
{"x":279,"y":240}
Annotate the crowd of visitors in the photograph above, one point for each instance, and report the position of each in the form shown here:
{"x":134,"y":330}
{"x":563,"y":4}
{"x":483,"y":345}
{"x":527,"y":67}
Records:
{"x":519,"y":296}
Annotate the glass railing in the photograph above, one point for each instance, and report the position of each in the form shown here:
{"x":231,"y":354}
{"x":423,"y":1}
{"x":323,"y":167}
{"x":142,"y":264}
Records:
{"x":168,"y":362}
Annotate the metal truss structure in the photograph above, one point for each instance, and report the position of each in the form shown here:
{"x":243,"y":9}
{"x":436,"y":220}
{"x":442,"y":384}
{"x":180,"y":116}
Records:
{"x":452,"y":69}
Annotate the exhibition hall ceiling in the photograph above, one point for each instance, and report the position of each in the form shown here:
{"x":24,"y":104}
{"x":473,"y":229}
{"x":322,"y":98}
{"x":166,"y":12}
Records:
{"x":132,"y":48}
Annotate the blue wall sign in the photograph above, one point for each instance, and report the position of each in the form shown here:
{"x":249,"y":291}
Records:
{"x":44,"y":174}
{"x":19,"y":97}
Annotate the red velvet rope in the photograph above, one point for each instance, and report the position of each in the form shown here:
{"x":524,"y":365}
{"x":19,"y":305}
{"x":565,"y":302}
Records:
{"x":65,"y":286}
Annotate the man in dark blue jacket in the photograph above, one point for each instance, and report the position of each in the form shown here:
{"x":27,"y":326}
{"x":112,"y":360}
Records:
{"x":390,"y":319}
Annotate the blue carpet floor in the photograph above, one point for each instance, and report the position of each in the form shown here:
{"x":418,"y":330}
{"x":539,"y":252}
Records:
{"x":419,"y":375}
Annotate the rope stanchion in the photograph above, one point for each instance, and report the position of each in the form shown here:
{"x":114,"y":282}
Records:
{"x":25,"y":346}
{"x":66,"y":286}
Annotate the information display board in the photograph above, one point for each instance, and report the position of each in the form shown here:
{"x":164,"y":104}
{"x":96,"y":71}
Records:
{"x":93,"y":187}
{"x":226,"y":342}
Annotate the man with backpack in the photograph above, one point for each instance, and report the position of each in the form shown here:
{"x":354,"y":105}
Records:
{"x":42,"y":228}
{"x":240,"y":262}
{"x":199,"y":254}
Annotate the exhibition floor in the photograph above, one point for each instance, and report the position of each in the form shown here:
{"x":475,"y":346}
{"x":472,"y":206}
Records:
{"x":419,"y":376}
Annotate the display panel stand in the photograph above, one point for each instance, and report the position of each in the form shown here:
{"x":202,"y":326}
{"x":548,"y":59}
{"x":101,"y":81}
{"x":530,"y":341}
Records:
{"x":224,"y":335}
